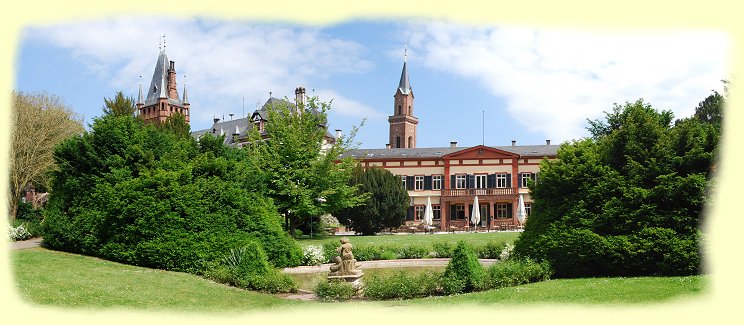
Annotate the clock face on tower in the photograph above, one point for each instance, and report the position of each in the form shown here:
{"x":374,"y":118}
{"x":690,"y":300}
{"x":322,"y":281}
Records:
{"x":397,"y":129}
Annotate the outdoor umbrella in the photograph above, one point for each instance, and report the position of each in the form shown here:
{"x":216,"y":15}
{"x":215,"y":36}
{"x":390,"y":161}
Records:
{"x":475,"y":215}
{"x":520,"y":210}
{"x":428,"y":214}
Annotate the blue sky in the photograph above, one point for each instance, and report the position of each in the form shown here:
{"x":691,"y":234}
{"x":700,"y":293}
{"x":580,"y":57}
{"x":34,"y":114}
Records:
{"x":530,"y":83}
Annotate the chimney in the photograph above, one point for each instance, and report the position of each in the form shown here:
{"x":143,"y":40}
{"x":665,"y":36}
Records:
{"x":338,"y":133}
{"x":453,"y":144}
{"x":547,"y":142}
{"x":300,"y":98}
{"x":514,"y":143}
{"x":216,"y":120}
{"x":387,"y":146}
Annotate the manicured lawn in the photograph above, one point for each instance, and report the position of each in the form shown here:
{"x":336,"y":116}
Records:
{"x":67,"y":280}
{"x":591,"y":291}
{"x":55,"y":278}
{"x":407,"y":239}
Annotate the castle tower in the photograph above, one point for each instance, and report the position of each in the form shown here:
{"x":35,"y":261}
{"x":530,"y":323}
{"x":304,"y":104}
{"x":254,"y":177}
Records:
{"x":162,"y":99}
{"x":403,"y":123}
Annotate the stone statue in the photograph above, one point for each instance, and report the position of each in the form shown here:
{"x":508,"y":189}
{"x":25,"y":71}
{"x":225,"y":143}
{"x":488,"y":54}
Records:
{"x":345,"y":264}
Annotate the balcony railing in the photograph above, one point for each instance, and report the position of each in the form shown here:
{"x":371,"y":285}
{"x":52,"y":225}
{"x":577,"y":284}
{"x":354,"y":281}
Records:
{"x":479,"y":192}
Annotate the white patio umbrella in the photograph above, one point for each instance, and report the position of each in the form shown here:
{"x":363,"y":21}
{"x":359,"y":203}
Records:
{"x":521,"y":214}
{"x":475,"y":214}
{"x":428,"y":213}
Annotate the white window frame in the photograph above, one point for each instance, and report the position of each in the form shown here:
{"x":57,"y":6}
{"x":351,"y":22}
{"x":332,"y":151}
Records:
{"x":436,"y":182}
{"x":461,"y":181}
{"x":418,"y":183}
{"x":502,"y":181}
{"x":403,"y":181}
{"x":527,"y":208}
{"x":418,"y":212}
{"x":523,"y":179}
{"x":481,"y":181}
{"x":436,"y":210}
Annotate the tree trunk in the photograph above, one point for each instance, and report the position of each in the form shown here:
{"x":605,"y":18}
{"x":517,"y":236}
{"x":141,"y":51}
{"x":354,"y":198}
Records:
{"x":12,"y":208}
{"x":292,"y":228}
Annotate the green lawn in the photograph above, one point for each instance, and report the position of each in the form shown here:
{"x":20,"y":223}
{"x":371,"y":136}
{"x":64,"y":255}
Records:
{"x":406,"y":239}
{"x":67,"y":280}
{"x":590,"y":291}
{"x":49,"y":277}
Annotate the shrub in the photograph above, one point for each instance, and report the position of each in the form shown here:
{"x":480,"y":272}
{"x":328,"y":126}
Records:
{"x":313,"y":255}
{"x":18,"y":233}
{"x":247,"y":267}
{"x":443,"y":249}
{"x":506,"y":253}
{"x":329,"y":250}
{"x":412,"y":251}
{"x":334,"y":291}
{"x":464,"y":266}
{"x":491,"y":249}
{"x":515,"y":272}
{"x":401,"y":285}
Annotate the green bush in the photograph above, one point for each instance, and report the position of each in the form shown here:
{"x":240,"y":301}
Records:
{"x":247,"y":267}
{"x":334,"y":291}
{"x":412,"y":251}
{"x":329,"y":250}
{"x":144,"y":196}
{"x":513,"y":273}
{"x":490,"y":250}
{"x":464,"y":267}
{"x":401,"y":285}
{"x":443,"y":249}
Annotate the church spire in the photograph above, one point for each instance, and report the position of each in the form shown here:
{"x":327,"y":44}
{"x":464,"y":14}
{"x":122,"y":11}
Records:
{"x":404,"y":85}
{"x":140,"y":101}
{"x":185,"y":95}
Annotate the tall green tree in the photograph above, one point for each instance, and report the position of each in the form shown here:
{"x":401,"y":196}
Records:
{"x":177,"y":125}
{"x":628,"y":200}
{"x":39,"y":121}
{"x":304,"y":178}
{"x":120,"y":105}
{"x":385,"y":206}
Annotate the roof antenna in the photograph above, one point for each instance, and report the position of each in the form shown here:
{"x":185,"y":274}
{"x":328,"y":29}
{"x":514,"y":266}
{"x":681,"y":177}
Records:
{"x":163,"y":42}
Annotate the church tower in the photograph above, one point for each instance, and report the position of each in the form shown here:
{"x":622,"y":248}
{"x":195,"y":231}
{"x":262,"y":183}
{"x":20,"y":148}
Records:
{"x":162,"y":99}
{"x":403,"y":123}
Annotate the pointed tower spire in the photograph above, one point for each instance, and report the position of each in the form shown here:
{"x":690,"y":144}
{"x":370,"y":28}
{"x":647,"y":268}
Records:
{"x":140,"y":101}
{"x":404,"y":85}
{"x":185,"y":95}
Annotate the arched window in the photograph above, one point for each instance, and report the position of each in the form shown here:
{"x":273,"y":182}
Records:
{"x":410,"y":110}
{"x":410,"y":142}
{"x":400,"y":111}
{"x":397,"y":142}
{"x":162,"y":106}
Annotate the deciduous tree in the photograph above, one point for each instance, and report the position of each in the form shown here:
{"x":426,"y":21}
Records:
{"x":39,"y":121}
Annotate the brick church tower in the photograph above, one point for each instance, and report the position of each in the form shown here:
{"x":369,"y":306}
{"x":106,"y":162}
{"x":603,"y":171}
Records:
{"x":162,"y":99}
{"x":403,"y":123}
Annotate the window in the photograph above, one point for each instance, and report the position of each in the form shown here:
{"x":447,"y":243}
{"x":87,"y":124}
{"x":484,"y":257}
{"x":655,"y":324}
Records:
{"x":502,"y":211}
{"x":501,"y":181}
{"x":410,"y":142}
{"x":419,"y":183}
{"x":460,"y":181}
{"x":480,"y":181}
{"x":403,"y":179}
{"x":436,"y":182}
{"x":524,"y":177}
{"x":527,"y":208}
{"x":458,"y":212}
{"x":418,"y":212}
{"x":400,"y":111}
{"x":397,"y":142}
{"x":436,"y":211}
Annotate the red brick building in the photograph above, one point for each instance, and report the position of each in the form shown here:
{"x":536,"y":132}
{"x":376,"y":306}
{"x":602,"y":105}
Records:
{"x":162,"y":99}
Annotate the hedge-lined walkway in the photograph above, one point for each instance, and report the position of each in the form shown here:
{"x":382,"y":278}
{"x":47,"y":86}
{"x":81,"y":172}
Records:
{"x":382,"y":264}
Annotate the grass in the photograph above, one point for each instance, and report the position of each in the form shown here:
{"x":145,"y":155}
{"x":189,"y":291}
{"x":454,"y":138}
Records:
{"x":590,"y":291}
{"x":54,"y":278}
{"x":48,"y":277}
{"x":422,"y":239}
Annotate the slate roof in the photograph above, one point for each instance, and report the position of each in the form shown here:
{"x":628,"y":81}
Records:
{"x":404,"y":85}
{"x":159,"y":83}
{"x":397,"y":153}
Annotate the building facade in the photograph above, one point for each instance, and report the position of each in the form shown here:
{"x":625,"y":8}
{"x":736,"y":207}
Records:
{"x":452,"y":177}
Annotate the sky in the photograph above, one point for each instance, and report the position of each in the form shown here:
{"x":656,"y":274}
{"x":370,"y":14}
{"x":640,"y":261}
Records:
{"x":472,"y":84}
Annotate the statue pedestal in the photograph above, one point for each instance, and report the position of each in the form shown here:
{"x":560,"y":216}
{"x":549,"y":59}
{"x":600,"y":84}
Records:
{"x":354,"y":279}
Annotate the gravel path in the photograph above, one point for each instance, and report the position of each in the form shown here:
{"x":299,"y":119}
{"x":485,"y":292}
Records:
{"x":33,"y":242}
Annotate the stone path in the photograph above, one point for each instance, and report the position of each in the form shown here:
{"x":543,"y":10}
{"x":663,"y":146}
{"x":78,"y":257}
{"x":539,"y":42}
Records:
{"x":33,"y":242}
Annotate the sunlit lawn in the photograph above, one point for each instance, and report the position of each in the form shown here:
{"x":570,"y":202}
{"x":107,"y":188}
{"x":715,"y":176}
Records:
{"x":424,"y":239}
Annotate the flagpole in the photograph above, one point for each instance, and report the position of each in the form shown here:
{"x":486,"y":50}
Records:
{"x":483,"y":120}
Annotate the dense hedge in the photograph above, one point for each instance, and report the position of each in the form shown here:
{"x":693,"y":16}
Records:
{"x":144,"y":196}
{"x":627,"y":201}
{"x":439,"y":249}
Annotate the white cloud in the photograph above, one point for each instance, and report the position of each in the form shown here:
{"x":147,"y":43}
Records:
{"x":348,"y":107}
{"x":553,"y":80}
{"x":225,"y":62}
